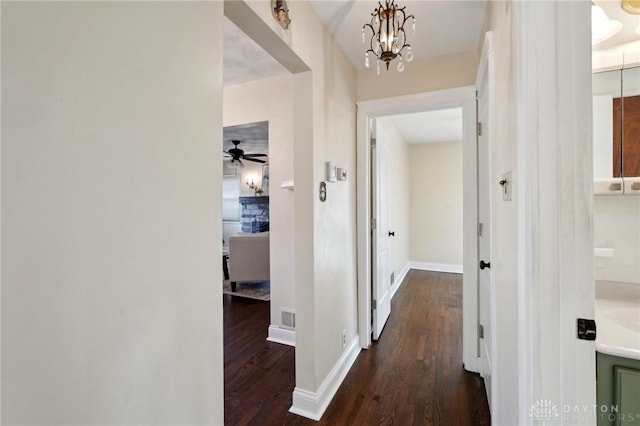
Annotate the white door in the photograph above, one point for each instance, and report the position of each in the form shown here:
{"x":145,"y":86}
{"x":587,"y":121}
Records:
{"x":381,"y":304}
{"x":485,"y":202}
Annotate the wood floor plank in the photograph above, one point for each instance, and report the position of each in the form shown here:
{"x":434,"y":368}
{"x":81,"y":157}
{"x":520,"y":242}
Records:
{"x":412,"y":376}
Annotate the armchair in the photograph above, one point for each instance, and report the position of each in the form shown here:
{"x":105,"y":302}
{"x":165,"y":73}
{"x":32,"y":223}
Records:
{"x":248,"y":258}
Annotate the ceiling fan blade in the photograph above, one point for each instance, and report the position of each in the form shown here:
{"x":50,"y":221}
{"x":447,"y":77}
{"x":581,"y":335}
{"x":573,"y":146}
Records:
{"x":255,"y":160}
{"x":256,"y":155}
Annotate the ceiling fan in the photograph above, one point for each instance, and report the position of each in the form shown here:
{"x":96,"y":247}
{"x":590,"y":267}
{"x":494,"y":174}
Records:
{"x":236,"y":154}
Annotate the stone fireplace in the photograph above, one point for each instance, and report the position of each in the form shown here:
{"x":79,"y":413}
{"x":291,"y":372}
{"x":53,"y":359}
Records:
{"x":255,"y":214}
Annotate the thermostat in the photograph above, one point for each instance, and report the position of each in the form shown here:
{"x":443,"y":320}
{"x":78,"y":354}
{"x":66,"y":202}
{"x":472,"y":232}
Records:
{"x":332,"y":173}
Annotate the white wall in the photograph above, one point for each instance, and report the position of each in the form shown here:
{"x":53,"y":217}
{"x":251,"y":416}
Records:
{"x":272,"y":100}
{"x":504,"y":261}
{"x":324,"y":130}
{"x":111,"y":188}
{"x":616,"y":226}
{"x":542,"y":254}
{"x":435,"y":182}
{"x":399,"y":184}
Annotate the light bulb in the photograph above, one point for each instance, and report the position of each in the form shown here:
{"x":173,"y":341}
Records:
{"x":363,"y":36}
{"x":395,"y":49}
{"x":376,"y":20}
{"x":377,"y":49}
{"x":366,"y":60}
{"x":413,"y":25}
{"x":400,"y":66}
{"x":409,"y":55}
{"x":378,"y":66}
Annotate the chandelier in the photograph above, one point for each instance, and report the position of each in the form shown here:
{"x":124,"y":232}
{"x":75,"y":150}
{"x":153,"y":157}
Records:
{"x":388,"y":40}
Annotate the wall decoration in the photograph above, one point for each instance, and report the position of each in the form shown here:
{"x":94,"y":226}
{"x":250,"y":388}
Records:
{"x":281,"y":12}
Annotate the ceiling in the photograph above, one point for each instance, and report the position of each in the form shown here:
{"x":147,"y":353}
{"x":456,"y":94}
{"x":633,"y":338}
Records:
{"x":244,"y":60}
{"x":629,"y":22}
{"x":254,"y":137}
{"x":442,"y":27}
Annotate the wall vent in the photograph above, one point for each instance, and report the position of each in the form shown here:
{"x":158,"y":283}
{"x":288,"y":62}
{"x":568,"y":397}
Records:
{"x":288,"y":318}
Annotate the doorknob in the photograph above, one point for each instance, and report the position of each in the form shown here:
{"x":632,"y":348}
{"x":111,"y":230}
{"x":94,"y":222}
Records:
{"x":484,"y":264}
{"x":392,"y":233}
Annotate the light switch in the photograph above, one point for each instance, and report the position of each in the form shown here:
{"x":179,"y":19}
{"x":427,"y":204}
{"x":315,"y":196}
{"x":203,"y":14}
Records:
{"x":342,"y":174}
{"x":506,"y":184}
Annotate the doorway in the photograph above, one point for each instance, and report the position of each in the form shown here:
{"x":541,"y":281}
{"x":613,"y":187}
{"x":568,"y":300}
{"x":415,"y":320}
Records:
{"x":464,"y":98}
{"x":263,"y":87}
{"x":417,"y":200}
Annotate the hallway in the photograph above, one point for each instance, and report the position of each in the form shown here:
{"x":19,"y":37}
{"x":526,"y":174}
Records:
{"x":412,"y":375}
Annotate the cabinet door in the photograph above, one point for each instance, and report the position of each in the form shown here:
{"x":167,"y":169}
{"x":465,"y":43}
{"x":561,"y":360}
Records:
{"x":626,"y":395}
{"x":630,"y":122}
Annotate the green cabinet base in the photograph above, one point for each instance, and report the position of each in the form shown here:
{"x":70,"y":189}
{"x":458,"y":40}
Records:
{"x":618,"y":390}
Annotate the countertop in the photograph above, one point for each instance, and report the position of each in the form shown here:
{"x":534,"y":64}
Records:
{"x":618,"y":319}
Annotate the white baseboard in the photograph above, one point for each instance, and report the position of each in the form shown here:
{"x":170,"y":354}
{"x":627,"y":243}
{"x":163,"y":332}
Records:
{"x":400,"y":279}
{"x":474,"y":367}
{"x":436,"y":267}
{"x":281,"y":335}
{"x":312,"y":405}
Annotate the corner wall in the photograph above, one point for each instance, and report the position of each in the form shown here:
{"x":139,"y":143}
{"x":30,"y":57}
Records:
{"x":111,"y":218}
{"x":325,"y":259}
{"x":272,"y":100}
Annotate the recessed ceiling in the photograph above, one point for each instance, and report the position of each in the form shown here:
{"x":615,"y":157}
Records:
{"x":244,"y":60}
{"x":442,"y":27}
{"x":443,"y":125}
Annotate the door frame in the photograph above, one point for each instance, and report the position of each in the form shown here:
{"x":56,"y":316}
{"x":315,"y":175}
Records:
{"x":464,"y":97}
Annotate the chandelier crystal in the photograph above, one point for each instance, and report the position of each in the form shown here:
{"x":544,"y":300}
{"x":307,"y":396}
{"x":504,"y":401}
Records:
{"x":388,"y":40}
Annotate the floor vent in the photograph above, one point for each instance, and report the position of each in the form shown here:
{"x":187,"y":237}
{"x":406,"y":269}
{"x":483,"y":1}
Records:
{"x":288,"y":319}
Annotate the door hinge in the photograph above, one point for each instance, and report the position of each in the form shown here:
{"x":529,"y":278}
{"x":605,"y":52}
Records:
{"x":586,"y":329}
{"x":479,"y":129}
{"x":480,"y":331}
{"x":374,"y":224}
{"x":374,"y":304}
{"x":480,"y":226}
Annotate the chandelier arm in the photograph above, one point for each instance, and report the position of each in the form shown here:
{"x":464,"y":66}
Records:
{"x":373,"y":33}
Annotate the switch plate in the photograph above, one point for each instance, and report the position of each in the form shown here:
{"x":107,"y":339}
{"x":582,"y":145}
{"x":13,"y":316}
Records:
{"x":506,"y":186}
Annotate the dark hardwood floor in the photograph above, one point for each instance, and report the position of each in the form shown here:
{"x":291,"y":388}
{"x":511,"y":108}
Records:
{"x":412,"y":376}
